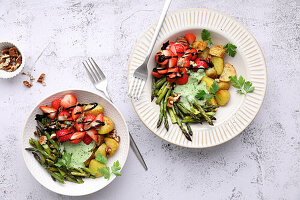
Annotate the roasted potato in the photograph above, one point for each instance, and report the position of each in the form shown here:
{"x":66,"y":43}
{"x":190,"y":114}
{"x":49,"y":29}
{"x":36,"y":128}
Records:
{"x":228,"y":71}
{"x":199,"y":45}
{"x":96,"y":111}
{"x":108,"y":127}
{"x":211,"y":72}
{"x":113,"y":144}
{"x":204,"y":53}
{"x":95,"y":165}
{"x":102,"y":150}
{"x":217,"y":50}
{"x":222,"y":97}
{"x":208,"y":81}
{"x":223,"y":86}
{"x":213,"y":102}
{"x":218,"y":64}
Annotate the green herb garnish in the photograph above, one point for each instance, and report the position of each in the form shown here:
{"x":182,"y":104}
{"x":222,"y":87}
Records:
{"x":202,"y":95}
{"x":101,"y":159}
{"x":105,"y":171}
{"x":65,"y":161}
{"x":230,"y":49}
{"x":116,"y":168}
{"x":244,"y":87}
{"x":205,"y":35}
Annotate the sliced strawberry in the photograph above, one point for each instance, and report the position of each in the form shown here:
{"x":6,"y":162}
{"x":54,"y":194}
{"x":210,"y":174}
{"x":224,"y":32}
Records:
{"x":77,"y":137}
{"x":64,"y":135}
{"x":171,"y":70}
{"x":93,"y":134}
{"x":183,"y":80}
{"x":200,"y":64}
{"x":50,"y":111}
{"x":87,"y":139}
{"x":56,"y":103}
{"x":172,"y":62}
{"x":190,"y":38}
{"x":77,"y":111}
{"x":79,"y":126}
{"x":177,"y":49}
{"x":98,"y":121}
{"x":87,"y":121}
{"x":183,"y":70}
{"x":156,"y":75}
{"x":63,"y":116}
{"x":170,"y":45}
{"x":68,"y":101}
{"x":191,"y":54}
{"x":161,"y":59}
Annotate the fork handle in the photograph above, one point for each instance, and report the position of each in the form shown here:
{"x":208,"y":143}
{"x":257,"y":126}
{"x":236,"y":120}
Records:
{"x":158,"y":27}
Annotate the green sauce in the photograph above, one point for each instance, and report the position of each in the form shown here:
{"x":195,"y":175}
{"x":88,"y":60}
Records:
{"x":191,"y":88}
{"x":80,"y":152}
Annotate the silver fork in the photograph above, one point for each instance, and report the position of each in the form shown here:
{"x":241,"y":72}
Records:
{"x":100,"y":82}
{"x":139,"y":78}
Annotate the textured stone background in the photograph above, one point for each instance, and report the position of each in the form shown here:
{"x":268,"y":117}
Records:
{"x":261,"y":163}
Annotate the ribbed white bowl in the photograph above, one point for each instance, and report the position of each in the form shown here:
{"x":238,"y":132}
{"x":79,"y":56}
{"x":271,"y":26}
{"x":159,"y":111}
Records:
{"x":249,"y":62}
{"x":89,"y":185}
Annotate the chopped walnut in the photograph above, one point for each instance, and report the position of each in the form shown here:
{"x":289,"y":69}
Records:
{"x":52,"y":136}
{"x":108,"y":150}
{"x":41,"y":78}
{"x":10,"y":59}
{"x":26,"y":83}
{"x":36,"y":133}
{"x":176,"y":97}
{"x":170,"y":102}
{"x":43,"y":140}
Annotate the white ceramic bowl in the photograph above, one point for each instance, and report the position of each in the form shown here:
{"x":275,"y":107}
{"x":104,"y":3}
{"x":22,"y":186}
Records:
{"x":249,"y":62}
{"x":5,"y":74}
{"x":89,"y":185}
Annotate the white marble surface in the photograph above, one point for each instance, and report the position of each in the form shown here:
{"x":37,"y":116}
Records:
{"x":261,"y":163}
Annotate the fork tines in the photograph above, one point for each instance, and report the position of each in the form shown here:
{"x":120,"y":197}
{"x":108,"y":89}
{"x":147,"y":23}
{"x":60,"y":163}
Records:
{"x":136,"y":87}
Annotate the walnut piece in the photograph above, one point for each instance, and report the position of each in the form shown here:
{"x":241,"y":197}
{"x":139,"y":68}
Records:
{"x":26,"y":83}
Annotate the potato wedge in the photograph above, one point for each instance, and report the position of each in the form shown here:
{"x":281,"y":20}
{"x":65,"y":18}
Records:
{"x":101,"y":150}
{"x":218,"y":64}
{"x":223,"y":86}
{"x":204,"y":54}
{"x":113,"y":144}
{"x":108,"y":127}
{"x":217,"y":50}
{"x":199,"y":45}
{"x":95,"y":165}
{"x":208,"y":81}
{"x":211,"y":72}
{"x":222,"y":97}
{"x":96,"y":111}
{"x":229,"y":70}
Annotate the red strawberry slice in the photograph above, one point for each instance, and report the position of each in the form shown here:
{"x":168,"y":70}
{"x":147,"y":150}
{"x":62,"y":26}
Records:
{"x":191,"y":54}
{"x":163,"y":57}
{"x":183,"y":80}
{"x":97,"y":121}
{"x":170,"y":45}
{"x":56,"y":103}
{"x":64,"y":135}
{"x":177,"y":49}
{"x":87,"y":121}
{"x":156,"y":75}
{"x":63,"y":116}
{"x":200,"y":63}
{"x":50,"y":111}
{"x":172,"y":62}
{"x":87,"y":139}
{"x":93,"y":134}
{"x":77,"y":137}
{"x":190,"y":38}
{"x":183,"y":62}
{"x":77,"y":111}
{"x":68,"y":101}
{"x":79,"y":126}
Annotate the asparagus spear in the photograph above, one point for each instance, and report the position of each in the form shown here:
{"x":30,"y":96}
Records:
{"x":40,"y":151}
{"x":161,"y":114}
{"x":172,"y":115}
{"x":51,"y":141}
{"x":162,"y":88}
{"x":206,"y":117}
{"x":153,"y":88}
{"x":163,"y":93}
{"x":190,"y":131}
{"x":160,"y":82}
{"x":188,"y":137}
{"x":166,"y":122}
{"x":189,"y":112}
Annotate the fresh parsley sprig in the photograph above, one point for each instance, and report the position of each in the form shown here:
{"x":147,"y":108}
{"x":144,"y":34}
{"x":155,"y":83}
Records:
{"x":202,"y":95}
{"x":244,"y":86}
{"x":106,"y":171}
{"x":65,"y":161}
{"x":205,"y":35}
{"x":230,"y":49}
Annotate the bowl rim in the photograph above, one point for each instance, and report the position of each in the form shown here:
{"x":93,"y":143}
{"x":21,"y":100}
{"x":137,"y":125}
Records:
{"x":23,"y":147}
{"x":8,"y":75}
{"x":185,"y":29}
